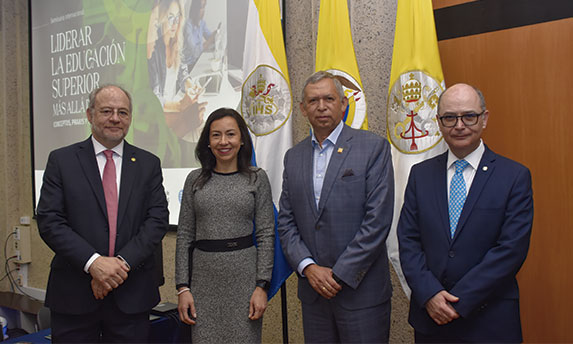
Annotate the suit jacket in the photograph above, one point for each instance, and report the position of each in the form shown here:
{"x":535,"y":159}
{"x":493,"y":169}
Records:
{"x":72,"y":219}
{"x":480,"y":263}
{"x":348,"y":230}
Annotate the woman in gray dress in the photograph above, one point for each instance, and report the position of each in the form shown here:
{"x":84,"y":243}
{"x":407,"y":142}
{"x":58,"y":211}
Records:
{"x":222,"y":284}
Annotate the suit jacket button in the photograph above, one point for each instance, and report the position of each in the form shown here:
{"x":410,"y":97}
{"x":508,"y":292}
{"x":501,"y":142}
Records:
{"x":317,"y":227}
{"x":451,"y":254}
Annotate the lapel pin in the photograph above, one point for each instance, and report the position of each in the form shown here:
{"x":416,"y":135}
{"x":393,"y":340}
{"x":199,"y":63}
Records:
{"x":340,"y":150}
{"x":484,"y":168}
{"x":133,"y":159}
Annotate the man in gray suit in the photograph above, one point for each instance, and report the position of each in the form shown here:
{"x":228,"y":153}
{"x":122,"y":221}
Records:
{"x":335,"y":214}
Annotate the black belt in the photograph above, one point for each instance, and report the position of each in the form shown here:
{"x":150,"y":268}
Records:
{"x":225,"y":245}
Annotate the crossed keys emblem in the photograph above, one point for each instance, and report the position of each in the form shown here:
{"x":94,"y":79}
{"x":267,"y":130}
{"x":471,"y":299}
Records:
{"x":412,"y":125}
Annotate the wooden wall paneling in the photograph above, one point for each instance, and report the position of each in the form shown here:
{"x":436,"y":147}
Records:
{"x":525,"y":74}
{"x":447,"y":3}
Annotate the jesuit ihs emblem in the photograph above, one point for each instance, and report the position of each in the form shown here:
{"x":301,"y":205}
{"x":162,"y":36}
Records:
{"x":266,"y":101}
{"x":412,"y":107}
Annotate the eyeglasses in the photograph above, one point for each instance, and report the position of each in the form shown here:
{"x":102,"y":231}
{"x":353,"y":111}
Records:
{"x":469,"y":119}
{"x":108,"y":112}
{"x":173,"y":19}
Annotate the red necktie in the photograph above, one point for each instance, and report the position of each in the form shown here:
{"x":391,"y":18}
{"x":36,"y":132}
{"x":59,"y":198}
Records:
{"x":110,"y":191}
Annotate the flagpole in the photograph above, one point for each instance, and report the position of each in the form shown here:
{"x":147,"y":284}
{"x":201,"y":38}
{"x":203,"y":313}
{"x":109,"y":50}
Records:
{"x":284,"y":313}
{"x":284,"y":309}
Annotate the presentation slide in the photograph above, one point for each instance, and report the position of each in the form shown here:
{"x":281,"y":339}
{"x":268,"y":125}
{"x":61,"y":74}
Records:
{"x":179,"y":59}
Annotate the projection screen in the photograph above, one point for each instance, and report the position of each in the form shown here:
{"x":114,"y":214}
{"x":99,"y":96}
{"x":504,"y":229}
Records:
{"x":179,"y":59}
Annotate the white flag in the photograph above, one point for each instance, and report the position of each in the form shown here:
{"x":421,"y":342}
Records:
{"x":266,"y":102}
{"x":416,"y":82}
{"x":266,"y":106}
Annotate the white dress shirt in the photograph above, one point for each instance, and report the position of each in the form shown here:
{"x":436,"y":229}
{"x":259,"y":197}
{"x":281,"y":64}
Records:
{"x":469,"y":173}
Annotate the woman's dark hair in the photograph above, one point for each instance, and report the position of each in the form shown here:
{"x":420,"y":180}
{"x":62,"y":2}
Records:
{"x":194,"y":11}
{"x":206,"y":157}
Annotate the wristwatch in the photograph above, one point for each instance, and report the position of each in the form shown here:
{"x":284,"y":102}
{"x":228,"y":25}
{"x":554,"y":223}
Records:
{"x":263,"y":284}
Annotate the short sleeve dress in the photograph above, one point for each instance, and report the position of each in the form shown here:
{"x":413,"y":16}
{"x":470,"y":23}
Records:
{"x":222,"y":282}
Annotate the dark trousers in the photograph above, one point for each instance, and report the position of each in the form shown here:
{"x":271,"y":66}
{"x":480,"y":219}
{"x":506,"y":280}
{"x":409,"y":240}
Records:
{"x":106,"y":325}
{"x":325,"y":321}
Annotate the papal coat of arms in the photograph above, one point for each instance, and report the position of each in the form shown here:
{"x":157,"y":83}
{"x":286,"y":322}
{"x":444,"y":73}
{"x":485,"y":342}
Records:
{"x":266,"y":102}
{"x":412,"y":126}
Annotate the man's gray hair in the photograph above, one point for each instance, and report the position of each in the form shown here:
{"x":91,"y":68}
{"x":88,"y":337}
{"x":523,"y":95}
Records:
{"x":94,"y":93}
{"x":320,"y":75}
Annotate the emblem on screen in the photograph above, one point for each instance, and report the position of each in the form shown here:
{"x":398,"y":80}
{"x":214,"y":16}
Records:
{"x":412,"y":126}
{"x":266,"y":101}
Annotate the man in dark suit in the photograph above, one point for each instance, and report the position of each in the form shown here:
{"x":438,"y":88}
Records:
{"x":464,"y":231}
{"x":103,"y":211}
{"x":335,"y":214}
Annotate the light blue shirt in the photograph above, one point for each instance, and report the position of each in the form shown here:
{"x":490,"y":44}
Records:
{"x":193,"y":41}
{"x":320,"y":159}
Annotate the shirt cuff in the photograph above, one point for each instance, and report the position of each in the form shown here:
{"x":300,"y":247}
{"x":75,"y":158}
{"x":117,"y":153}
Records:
{"x":124,"y":261}
{"x":90,"y":261}
{"x":303,"y":264}
{"x":180,"y":285}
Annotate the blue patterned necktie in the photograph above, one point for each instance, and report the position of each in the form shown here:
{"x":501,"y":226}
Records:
{"x":457,"y":195}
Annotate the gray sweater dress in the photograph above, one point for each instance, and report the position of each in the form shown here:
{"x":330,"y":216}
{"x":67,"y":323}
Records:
{"x":222,"y":282}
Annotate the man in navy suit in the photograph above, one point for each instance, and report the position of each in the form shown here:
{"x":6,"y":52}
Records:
{"x":335,"y":214}
{"x":464,"y":231}
{"x":101,"y":285}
